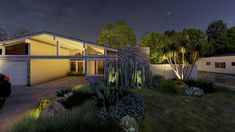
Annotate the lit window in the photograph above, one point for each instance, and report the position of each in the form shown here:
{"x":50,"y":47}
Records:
{"x":220,"y":65}
{"x":208,"y":63}
{"x":233,"y":63}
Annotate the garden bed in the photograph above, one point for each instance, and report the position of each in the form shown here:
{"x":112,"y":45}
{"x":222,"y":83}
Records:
{"x":162,"y":108}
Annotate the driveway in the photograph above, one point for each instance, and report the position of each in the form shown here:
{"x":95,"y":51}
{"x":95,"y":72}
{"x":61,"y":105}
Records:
{"x":24,"y":99}
{"x":227,"y":79}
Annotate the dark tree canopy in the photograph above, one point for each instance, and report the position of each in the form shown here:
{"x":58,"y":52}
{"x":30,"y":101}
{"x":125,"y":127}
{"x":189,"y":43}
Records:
{"x":215,"y":29}
{"x":226,"y":42}
{"x":117,"y":35}
{"x":155,"y":41}
{"x":3,"y":34}
{"x":169,"y":33}
{"x":220,"y":39}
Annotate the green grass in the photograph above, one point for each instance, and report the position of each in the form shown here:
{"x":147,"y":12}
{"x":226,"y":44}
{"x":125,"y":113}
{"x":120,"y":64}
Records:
{"x":212,"y":112}
{"x":80,"y":119}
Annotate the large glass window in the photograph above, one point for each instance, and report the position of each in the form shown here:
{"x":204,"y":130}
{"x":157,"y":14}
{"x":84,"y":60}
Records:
{"x":73,"y":66}
{"x":80,"y":66}
{"x":18,"y":49}
{"x":95,"y":67}
{"x":77,"y":66}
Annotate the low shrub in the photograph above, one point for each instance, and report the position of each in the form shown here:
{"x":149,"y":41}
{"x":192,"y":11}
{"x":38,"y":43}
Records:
{"x":206,"y":86}
{"x":83,"y":118}
{"x":194,"y":91}
{"x":129,"y":124}
{"x":158,"y":78}
{"x":76,"y":99}
{"x":61,"y":92}
{"x":131,"y":104}
{"x":106,"y":97}
{"x":81,"y":93}
{"x":84,"y":88}
{"x":169,"y":87}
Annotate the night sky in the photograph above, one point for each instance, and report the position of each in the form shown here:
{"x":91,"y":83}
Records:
{"x":84,"y":18}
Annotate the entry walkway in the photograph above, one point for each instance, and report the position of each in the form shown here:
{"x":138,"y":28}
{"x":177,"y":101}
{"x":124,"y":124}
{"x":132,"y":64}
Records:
{"x":24,"y":99}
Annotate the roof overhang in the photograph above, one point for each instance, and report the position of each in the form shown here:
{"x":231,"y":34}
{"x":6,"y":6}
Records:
{"x":50,"y":38}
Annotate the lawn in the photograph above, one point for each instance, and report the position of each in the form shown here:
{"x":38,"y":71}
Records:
{"x":166,"y":109}
{"x":212,"y":112}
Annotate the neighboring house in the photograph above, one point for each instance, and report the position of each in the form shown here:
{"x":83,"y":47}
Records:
{"x":46,"y":56}
{"x":218,"y":64}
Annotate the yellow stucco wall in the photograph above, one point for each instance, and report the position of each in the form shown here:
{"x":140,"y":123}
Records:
{"x":91,"y":67}
{"x":47,"y":69}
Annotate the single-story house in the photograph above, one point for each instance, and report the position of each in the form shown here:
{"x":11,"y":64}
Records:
{"x":44,"y":56}
{"x":218,"y":64}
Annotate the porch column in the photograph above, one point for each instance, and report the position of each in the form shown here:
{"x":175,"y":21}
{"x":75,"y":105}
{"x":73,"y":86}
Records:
{"x":28,"y":65}
{"x":105,"y":54}
{"x":57,"y":48}
{"x":3,"y":51}
{"x":86,"y":65}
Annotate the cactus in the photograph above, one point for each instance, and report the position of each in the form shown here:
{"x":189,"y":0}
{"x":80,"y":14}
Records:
{"x":127,"y":73}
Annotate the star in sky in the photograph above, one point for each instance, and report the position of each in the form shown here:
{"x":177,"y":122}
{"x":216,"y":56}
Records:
{"x":168,"y":13}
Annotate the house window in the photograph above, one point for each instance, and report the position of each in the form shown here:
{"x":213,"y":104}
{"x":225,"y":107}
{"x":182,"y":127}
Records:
{"x":0,"y":51}
{"x":73,"y":66}
{"x":233,"y":64}
{"x":95,"y":67}
{"x":220,"y":65}
{"x":17,"y":49}
{"x":208,"y":63}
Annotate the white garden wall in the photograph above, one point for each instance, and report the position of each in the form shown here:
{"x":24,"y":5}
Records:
{"x":166,"y":71}
{"x":208,"y":64}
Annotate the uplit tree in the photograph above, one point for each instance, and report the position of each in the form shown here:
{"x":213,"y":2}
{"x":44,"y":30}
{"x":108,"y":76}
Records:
{"x":183,"y":50}
{"x":117,"y":35}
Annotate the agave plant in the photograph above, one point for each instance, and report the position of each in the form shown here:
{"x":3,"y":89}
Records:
{"x":105,"y":97}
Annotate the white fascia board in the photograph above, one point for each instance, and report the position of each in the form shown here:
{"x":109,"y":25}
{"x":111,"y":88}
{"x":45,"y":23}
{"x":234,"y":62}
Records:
{"x":6,"y":42}
{"x":88,"y":57}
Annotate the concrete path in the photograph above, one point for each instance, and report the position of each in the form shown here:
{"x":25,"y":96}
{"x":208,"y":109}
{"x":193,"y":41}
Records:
{"x":24,"y":99}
